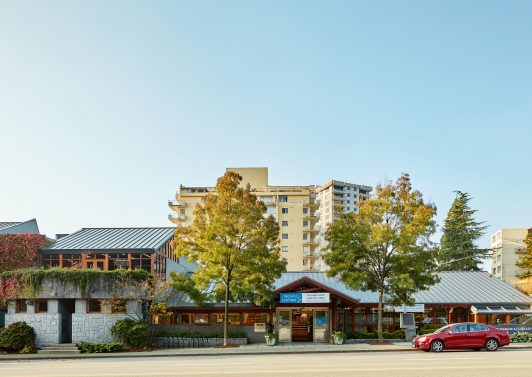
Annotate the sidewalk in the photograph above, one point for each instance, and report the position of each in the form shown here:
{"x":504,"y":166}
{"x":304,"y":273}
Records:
{"x":250,"y":349}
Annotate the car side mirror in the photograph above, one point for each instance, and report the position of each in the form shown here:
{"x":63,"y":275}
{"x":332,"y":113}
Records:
{"x":449,"y":331}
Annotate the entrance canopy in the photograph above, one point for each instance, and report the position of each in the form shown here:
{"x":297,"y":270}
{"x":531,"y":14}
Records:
{"x":305,"y":290}
{"x":501,"y":309}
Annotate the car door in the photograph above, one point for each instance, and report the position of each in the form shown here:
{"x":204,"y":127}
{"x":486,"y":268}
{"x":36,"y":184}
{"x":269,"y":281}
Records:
{"x":456,"y":337}
{"x":477,"y":335}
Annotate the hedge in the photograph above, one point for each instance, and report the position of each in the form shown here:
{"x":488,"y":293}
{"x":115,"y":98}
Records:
{"x":100,"y":347}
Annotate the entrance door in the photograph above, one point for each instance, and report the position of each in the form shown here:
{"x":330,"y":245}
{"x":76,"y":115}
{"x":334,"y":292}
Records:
{"x":302,"y":325}
{"x":66,"y":308}
{"x":321,"y":325}
{"x":284,"y":324}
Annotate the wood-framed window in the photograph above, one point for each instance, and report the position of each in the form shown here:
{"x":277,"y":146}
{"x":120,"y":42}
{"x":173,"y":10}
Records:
{"x":94,"y":306}
{"x":41,"y":306}
{"x":21,"y":306}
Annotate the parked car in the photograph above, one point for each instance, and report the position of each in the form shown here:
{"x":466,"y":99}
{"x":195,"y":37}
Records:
{"x":463,"y":335}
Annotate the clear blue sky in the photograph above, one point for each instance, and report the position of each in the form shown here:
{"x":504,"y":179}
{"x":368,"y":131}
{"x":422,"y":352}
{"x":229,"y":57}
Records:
{"x":107,"y":106}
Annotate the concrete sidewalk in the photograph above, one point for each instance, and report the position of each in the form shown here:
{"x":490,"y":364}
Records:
{"x":250,"y":349}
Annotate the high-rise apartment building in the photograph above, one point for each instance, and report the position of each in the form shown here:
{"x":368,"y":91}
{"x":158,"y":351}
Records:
{"x":508,"y":246}
{"x":335,"y":197}
{"x":293,"y":206}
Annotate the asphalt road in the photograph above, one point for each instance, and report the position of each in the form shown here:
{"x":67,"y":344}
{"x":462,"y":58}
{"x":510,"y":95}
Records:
{"x":505,"y":363}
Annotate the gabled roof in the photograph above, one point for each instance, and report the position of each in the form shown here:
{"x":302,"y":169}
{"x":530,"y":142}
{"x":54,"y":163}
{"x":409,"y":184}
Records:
{"x":93,"y":239}
{"x":19,"y":227}
{"x":460,"y":287}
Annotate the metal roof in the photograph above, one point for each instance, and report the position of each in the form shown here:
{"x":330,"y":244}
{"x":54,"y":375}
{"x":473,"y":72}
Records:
{"x":19,"y":227}
{"x":114,"y":238}
{"x":460,"y":287}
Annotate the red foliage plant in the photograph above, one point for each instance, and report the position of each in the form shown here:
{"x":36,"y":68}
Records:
{"x":19,"y":250}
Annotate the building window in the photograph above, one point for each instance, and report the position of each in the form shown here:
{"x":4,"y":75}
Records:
{"x":305,"y":262}
{"x":22,"y":306}
{"x":271,"y":210}
{"x":118,"y":306}
{"x":234,"y":318}
{"x":284,"y":249}
{"x":94,"y":306}
{"x":252,"y":318}
{"x":284,"y":211}
{"x":348,"y":195}
{"x":305,"y":250}
{"x":284,"y":236}
{"x":186,"y":319}
{"x":348,"y":202}
{"x":284,"y":223}
{"x":305,"y":236}
{"x":305,"y":211}
{"x":201,"y":319}
{"x":283,"y":199}
{"x":41,"y":306}
{"x":305,"y":223}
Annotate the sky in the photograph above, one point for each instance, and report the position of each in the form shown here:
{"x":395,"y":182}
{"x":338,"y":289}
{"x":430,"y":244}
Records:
{"x":106,"y":107}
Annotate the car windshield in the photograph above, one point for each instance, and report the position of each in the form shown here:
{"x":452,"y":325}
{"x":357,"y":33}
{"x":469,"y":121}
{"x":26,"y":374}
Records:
{"x":442,"y":329}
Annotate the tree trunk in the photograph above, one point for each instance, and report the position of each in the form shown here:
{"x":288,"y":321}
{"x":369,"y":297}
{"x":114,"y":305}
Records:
{"x":379,"y":316}
{"x":226,"y":315}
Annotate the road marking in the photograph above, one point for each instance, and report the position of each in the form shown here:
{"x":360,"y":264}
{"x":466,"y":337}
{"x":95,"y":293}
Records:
{"x":206,"y":364}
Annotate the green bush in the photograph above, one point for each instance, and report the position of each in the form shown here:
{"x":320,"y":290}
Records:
{"x":17,"y":337}
{"x":184,"y":334}
{"x":100,"y":347}
{"x":521,"y":337}
{"x":427,"y":329}
{"x":132,"y":333}
{"x":399,"y":334}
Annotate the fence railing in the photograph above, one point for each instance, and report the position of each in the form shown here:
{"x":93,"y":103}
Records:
{"x":195,"y":342}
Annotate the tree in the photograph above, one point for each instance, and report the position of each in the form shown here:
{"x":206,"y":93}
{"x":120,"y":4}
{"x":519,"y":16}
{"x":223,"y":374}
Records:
{"x":234,"y":246}
{"x":458,"y":250}
{"x":386,"y":246}
{"x":19,"y":250}
{"x":525,"y":261}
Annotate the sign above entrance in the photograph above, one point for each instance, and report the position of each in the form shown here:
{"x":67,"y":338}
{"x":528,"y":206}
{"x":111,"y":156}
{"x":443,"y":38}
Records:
{"x":417,"y":308}
{"x":305,"y":298}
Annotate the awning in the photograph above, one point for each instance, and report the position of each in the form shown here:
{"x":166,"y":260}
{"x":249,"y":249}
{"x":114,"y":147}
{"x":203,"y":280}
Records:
{"x":501,"y":309}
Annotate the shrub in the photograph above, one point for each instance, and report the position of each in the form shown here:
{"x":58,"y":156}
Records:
{"x":132,"y":333}
{"x":16,"y":337}
{"x":100,"y":347}
{"x":521,"y":337}
{"x":399,"y":334}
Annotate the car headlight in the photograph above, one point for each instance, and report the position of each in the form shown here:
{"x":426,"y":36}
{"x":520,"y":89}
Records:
{"x":422,"y":339}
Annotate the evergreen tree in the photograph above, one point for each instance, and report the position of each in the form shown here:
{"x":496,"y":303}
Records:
{"x":526,"y":260}
{"x":459,"y":250}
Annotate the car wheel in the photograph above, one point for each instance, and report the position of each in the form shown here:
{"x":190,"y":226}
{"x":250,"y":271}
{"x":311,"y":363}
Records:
{"x":491,"y":345}
{"x":437,"y":346}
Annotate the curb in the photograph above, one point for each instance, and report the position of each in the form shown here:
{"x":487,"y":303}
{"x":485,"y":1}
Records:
{"x":128,"y":355}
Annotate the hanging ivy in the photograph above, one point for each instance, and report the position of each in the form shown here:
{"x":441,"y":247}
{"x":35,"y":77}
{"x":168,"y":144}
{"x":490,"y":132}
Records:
{"x":29,"y":281}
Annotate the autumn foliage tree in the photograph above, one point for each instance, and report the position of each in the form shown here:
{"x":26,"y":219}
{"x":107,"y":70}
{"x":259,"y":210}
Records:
{"x":385,"y":247}
{"x":19,"y":250}
{"x":525,"y":261}
{"x":234,"y":245}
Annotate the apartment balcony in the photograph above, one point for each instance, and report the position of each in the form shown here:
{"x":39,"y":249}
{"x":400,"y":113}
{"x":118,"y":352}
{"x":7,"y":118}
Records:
{"x":310,"y":203}
{"x":176,"y":218}
{"x":312,"y":230}
{"x":176,"y":204}
{"x":311,"y":217}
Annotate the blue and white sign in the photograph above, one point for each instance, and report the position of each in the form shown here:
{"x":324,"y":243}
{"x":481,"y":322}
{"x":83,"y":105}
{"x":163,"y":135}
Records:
{"x":417,"y":308}
{"x":305,"y":298}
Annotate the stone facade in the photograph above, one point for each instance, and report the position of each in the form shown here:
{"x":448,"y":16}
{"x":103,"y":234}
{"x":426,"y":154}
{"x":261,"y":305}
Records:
{"x":94,"y":328}
{"x":86,"y":327}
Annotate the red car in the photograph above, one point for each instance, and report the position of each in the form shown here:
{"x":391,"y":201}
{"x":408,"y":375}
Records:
{"x":463,"y":335}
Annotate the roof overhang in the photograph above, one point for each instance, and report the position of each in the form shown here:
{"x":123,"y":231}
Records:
{"x":101,"y":251}
{"x":503,"y":309}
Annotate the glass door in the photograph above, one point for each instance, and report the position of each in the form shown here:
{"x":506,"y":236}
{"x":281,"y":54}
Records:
{"x":321,"y":325}
{"x":284,"y":325}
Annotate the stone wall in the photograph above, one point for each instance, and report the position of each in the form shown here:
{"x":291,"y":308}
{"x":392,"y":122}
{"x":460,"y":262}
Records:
{"x":94,"y":328}
{"x":47,"y":326}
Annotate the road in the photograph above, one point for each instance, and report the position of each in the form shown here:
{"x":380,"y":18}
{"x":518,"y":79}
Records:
{"x":508,"y":363}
